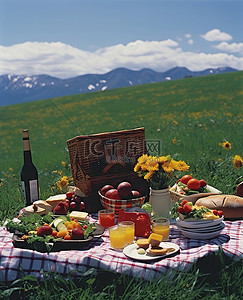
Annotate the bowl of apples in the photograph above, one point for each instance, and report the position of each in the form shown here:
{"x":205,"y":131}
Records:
{"x":121,"y":197}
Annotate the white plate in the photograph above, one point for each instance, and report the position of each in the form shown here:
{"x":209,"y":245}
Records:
{"x":211,"y":189}
{"x":198,"y":224}
{"x":203,"y":229}
{"x":202,"y":236}
{"x":131,"y":251}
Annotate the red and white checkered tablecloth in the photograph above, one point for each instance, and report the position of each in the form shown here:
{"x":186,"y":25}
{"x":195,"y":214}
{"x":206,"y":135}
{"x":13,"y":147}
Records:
{"x":15,"y":262}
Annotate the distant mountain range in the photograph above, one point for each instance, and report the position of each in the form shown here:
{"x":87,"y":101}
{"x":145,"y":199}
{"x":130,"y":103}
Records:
{"x":22,"y":88}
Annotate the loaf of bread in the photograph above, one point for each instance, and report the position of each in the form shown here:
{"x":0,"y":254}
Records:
{"x":232,"y":206}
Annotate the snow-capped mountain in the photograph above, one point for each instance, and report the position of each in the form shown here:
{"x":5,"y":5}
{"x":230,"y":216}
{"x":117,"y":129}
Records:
{"x":22,"y":88}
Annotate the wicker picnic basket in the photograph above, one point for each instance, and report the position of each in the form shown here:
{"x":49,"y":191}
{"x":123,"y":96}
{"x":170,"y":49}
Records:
{"x":106,"y":158}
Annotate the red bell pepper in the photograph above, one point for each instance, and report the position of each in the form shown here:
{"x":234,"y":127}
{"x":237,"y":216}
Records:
{"x":141,"y":220}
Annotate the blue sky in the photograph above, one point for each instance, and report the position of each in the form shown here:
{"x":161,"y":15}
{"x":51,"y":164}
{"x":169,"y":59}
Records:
{"x":66,"y":38}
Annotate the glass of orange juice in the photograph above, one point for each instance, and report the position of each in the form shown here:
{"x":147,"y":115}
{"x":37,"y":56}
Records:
{"x":117,"y":237}
{"x":130,"y":231}
{"x":161,"y":226}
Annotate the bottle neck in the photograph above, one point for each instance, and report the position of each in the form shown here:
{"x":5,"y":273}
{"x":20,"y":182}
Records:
{"x":27,"y":156}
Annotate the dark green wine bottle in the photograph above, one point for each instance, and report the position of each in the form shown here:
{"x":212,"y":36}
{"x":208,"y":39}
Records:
{"x":29,"y":174}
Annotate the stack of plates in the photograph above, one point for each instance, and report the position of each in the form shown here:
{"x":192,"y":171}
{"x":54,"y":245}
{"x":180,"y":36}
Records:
{"x":201,"y":230}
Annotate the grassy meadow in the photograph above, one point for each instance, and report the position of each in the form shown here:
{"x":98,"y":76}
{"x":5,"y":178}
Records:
{"x":192,"y":118}
{"x":189,"y":117}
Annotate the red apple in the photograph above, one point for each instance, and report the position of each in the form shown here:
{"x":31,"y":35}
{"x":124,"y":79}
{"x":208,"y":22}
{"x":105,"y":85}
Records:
{"x":77,"y":199}
{"x":124,"y":190}
{"x":69,"y":195}
{"x":82,"y":206}
{"x":112,"y":194}
{"x":72,"y":205}
{"x":106,"y":188}
{"x":136,"y":194}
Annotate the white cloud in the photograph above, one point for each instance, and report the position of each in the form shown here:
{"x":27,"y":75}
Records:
{"x":190,"y":41}
{"x":216,"y":35}
{"x":233,"y":47}
{"x":188,"y":35}
{"x":64,"y":61}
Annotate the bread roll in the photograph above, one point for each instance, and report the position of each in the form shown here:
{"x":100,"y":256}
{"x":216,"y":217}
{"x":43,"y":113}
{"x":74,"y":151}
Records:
{"x":232,"y":206}
{"x":239,"y":190}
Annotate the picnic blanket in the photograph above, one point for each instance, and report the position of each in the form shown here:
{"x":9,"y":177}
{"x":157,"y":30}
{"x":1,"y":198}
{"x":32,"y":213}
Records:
{"x":15,"y":262}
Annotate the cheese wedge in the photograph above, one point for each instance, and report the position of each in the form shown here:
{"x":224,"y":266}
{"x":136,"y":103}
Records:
{"x":33,"y":209}
{"x":43,"y":204}
{"x":155,"y":239}
{"x":54,"y":200}
{"x":76,"y":191}
{"x":79,"y":215}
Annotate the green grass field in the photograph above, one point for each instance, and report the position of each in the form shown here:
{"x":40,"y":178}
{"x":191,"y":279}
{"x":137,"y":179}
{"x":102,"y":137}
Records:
{"x":190,"y":118}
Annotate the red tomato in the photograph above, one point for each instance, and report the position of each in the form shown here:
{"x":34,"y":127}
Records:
{"x":181,"y":210}
{"x":184,"y":202}
{"x":186,"y":178}
{"x":215,"y":212}
{"x":187,"y":208}
{"x":202,"y":182}
{"x":193,"y":184}
{"x":220,"y":213}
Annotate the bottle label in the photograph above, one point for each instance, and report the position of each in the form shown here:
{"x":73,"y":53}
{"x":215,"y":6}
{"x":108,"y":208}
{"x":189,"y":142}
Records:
{"x":33,"y":190}
{"x":33,"y":186}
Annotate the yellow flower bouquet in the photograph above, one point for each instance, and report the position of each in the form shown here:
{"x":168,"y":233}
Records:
{"x":158,"y":170}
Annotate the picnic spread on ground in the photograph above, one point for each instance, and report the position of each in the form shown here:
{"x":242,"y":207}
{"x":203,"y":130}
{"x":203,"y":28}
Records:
{"x":135,"y":223}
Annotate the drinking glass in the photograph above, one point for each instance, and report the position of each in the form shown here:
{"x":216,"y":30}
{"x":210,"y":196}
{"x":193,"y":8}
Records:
{"x":106,"y":218}
{"x":161,"y":226}
{"x":130,"y":231}
{"x":117,"y":235}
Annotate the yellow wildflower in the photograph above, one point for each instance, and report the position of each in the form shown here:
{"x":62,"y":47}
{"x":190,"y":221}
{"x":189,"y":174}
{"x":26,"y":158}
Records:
{"x":237,"y":161}
{"x":11,"y":169}
{"x":60,"y":173}
{"x":220,"y":160}
{"x":226,"y":145}
{"x":148,"y":175}
{"x":64,"y":163}
{"x":137,"y":167}
{"x":62,"y":183}
{"x":162,"y":159}
{"x":142,"y":159}
{"x":144,"y":167}
{"x":179,"y":165}
{"x":174,"y":141}
{"x":153,"y":168}
{"x":175,"y":122}
{"x":167,"y":167}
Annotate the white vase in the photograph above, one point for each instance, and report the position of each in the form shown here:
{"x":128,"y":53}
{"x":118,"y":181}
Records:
{"x":161,"y":202}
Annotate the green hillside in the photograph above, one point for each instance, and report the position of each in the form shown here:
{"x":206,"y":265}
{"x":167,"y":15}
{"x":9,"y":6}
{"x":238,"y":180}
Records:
{"x":190,"y":117}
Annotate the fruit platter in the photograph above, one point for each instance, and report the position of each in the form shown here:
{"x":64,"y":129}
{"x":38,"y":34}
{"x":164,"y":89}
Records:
{"x":54,"y":225}
{"x":191,"y":189}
